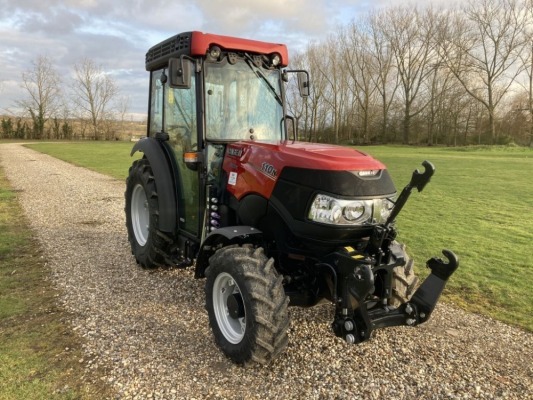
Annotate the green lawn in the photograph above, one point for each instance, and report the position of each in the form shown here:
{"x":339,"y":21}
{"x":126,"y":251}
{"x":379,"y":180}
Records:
{"x":478,"y":204}
{"x":110,"y":158}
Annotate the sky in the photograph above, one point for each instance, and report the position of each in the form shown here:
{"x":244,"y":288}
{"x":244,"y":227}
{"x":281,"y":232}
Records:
{"x":116,"y":34}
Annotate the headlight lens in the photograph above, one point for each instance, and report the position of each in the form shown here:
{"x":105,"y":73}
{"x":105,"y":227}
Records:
{"x":330,"y":210}
{"x":354,"y":211}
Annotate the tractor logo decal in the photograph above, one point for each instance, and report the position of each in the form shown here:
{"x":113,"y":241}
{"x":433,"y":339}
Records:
{"x":269,"y":170}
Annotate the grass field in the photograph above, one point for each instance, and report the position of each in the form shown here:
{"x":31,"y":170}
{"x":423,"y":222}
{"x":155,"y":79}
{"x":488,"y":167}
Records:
{"x":39,"y":354}
{"x":479,"y":204}
{"x":110,"y":158}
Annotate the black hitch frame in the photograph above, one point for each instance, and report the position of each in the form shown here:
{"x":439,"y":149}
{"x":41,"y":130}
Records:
{"x":358,"y":315}
{"x":356,"y":325}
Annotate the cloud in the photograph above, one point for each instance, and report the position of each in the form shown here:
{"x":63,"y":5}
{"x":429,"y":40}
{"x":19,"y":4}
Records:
{"x":117,"y":34}
{"x":262,"y":18}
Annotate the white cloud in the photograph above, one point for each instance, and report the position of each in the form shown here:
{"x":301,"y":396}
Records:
{"x":117,"y":34}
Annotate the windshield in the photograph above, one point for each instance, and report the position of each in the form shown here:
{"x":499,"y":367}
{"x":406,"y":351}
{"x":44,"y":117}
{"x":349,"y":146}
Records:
{"x":243,"y":102}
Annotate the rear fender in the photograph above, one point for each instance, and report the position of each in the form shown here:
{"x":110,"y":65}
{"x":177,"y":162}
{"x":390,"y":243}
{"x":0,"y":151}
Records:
{"x":164,"y":182}
{"x":223,"y":237}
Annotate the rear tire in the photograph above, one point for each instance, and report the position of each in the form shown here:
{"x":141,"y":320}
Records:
{"x":247,"y":305}
{"x":404,"y":282}
{"x":150,"y":246}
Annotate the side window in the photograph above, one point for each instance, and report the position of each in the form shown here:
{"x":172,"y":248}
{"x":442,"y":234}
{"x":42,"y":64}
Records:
{"x":156,"y":104}
{"x":180,"y":117}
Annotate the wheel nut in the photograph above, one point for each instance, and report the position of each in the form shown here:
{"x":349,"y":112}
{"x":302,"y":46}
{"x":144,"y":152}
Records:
{"x":410,"y":321}
{"x":348,"y":325}
{"x":350,"y":338}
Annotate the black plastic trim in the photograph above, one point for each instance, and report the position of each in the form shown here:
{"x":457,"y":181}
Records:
{"x":342,"y":183}
{"x":158,"y":55}
{"x":296,"y":188}
{"x":320,"y":234}
{"x":251,"y":209}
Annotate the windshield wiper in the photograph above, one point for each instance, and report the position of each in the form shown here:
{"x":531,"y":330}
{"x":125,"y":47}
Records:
{"x":259,"y":73}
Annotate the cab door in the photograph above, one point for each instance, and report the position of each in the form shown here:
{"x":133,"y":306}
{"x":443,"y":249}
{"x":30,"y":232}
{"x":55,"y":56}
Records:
{"x":173,"y":111}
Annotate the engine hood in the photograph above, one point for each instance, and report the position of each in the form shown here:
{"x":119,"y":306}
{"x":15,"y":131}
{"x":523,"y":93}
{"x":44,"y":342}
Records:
{"x":254,"y":167}
{"x":316,"y":156}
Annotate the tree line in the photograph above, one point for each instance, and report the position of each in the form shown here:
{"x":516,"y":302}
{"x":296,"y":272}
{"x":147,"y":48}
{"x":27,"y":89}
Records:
{"x":454,"y":76}
{"x":91,"y":109}
{"x":414,"y":75}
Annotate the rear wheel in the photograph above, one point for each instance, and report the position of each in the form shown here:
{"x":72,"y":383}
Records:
{"x":247,"y":305}
{"x":404,"y":282}
{"x":150,"y":246}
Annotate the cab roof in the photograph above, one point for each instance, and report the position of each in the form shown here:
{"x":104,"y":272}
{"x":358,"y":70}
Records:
{"x":197,"y":43}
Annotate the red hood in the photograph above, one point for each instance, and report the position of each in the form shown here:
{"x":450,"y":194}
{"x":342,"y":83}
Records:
{"x":254,"y":167}
{"x":309,"y":155}
{"x":323,"y":156}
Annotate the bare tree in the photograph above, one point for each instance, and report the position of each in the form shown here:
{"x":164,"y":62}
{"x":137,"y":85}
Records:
{"x":385,"y":80}
{"x":331,"y":67}
{"x":315,"y":103}
{"x":42,"y":87}
{"x":361,"y":69}
{"x":411,"y":36}
{"x":526,"y":60}
{"x":94,"y":91}
{"x":481,"y":46}
{"x":123,"y":105}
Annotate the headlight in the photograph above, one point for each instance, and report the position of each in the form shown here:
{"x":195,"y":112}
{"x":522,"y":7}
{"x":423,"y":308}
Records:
{"x":330,"y":210}
{"x":382,"y":209}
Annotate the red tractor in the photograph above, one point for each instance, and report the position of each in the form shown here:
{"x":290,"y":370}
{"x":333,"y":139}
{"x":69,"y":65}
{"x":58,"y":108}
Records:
{"x":269,"y":221}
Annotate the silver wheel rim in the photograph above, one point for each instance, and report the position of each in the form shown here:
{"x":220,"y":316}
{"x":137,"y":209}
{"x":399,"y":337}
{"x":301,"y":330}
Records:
{"x":232,"y":328}
{"x":140,"y":215}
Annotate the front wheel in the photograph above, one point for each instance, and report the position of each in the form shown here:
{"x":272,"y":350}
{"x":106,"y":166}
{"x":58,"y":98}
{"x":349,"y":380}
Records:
{"x":404,"y":282}
{"x":247,"y":305}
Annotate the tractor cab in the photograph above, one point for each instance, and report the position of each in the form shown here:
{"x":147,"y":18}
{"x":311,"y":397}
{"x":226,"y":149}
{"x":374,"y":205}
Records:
{"x":207,"y":91}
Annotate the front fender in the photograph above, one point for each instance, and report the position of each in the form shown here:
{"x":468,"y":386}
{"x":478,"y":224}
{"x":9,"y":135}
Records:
{"x":164,"y":182}
{"x":223,"y":237}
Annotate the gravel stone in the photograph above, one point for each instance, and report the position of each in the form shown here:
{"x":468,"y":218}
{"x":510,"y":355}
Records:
{"x":148,"y":330}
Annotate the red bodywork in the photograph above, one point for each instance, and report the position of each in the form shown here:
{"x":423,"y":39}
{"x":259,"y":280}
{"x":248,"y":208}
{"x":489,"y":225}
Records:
{"x":201,"y":42}
{"x":254,"y":167}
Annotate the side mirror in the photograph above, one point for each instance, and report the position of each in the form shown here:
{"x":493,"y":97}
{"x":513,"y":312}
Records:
{"x":179,"y":71}
{"x":303,"y":83}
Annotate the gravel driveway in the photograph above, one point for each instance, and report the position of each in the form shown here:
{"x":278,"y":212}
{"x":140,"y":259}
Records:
{"x":149,"y":332}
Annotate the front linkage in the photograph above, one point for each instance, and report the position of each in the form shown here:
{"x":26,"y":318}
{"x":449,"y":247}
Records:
{"x":357,"y":315}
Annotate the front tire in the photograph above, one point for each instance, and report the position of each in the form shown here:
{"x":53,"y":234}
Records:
{"x":247,"y":305}
{"x":150,"y":246}
{"x":404,"y":282}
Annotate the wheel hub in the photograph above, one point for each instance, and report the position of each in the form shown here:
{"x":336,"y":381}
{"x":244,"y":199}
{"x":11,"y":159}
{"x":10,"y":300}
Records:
{"x":229,"y":308}
{"x":235,"y":306}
